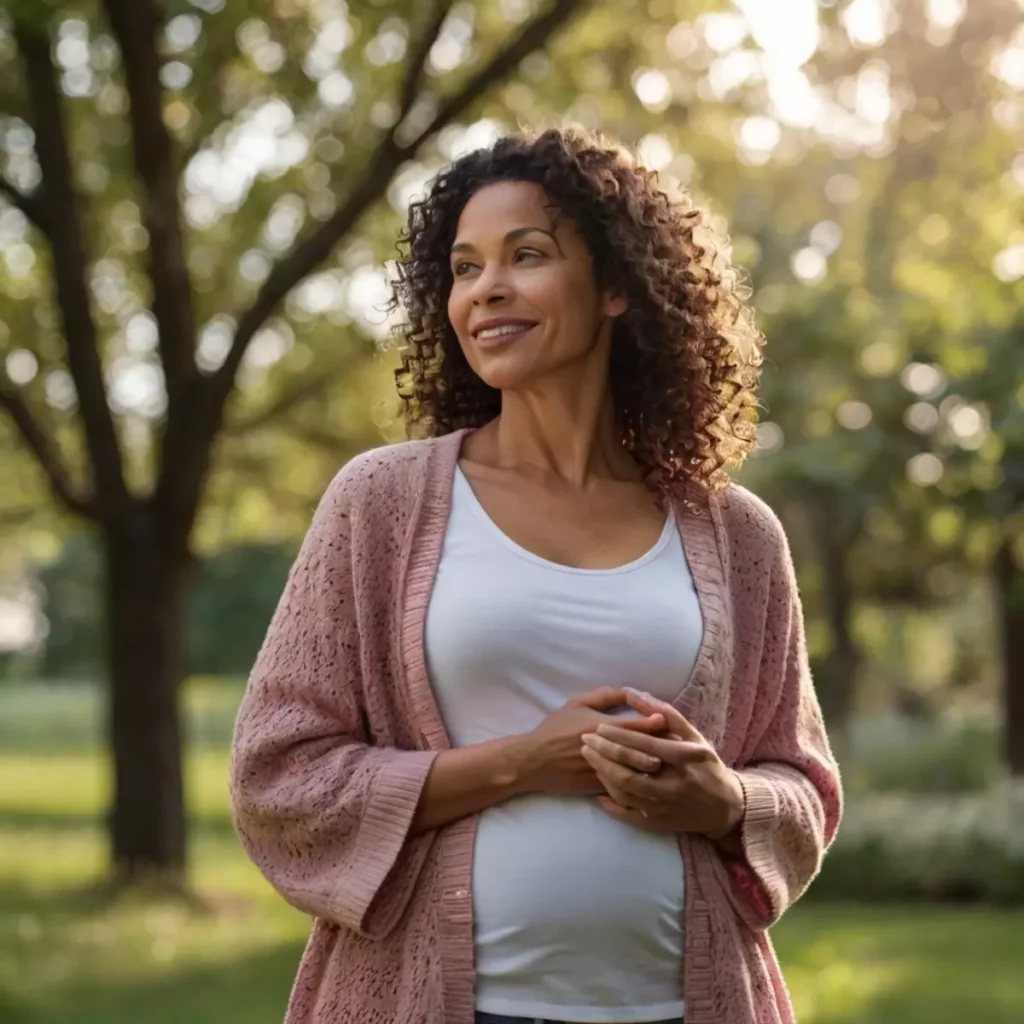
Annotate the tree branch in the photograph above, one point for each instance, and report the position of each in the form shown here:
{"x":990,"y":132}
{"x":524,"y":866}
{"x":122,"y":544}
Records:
{"x":46,"y":455}
{"x":418,"y":60}
{"x":30,"y":203}
{"x":303,"y":391}
{"x":318,"y":437}
{"x":12,"y":518}
{"x":70,"y":270}
{"x":533,"y":35}
{"x":308,"y":254}
{"x":136,"y":26}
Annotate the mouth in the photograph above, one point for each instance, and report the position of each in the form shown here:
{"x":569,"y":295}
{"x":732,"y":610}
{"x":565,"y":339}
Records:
{"x":492,"y":335}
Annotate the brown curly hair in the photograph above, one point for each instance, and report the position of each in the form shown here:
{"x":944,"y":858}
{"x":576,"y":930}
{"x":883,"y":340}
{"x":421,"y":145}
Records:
{"x":686,"y":355}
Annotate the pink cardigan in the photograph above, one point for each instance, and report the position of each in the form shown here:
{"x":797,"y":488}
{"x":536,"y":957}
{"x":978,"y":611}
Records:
{"x":338,"y":729}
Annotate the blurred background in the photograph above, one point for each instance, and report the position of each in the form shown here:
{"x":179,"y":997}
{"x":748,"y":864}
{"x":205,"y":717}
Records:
{"x":198,"y":202}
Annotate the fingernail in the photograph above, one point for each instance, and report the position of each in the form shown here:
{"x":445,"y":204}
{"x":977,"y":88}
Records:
{"x":642,"y":693}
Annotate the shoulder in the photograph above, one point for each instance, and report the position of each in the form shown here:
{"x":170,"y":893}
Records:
{"x":383,"y":478}
{"x":751,"y":523}
{"x":371,"y":496}
{"x":379,"y":470}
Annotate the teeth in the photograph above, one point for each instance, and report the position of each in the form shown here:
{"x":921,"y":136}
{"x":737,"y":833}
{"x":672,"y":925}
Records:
{"x":497,"y":332}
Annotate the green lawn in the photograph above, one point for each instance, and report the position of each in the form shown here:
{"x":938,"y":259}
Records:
{"x":67,"y":958}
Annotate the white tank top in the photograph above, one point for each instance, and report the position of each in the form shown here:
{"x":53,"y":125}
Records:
{"x":577,"y":916}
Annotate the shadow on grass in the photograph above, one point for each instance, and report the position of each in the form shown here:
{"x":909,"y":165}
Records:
{"x":56,"y":968}
{"x":52,"y":903}
{"x":902,"y":964}
{"x":846,"y":964}
{"x":252,"y":988}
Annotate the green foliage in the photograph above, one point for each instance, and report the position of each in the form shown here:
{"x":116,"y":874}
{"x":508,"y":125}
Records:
{"x":234,"y":596}
{"x":233,"y":600}
{"x":899,"y":847}
{"x":71,"y":585}
{"x":67,"y":717}
{"x":909,"y":277}
{"x":900,"y":756}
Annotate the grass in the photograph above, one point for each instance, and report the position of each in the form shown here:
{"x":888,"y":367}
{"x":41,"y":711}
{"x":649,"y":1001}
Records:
{"x":68,"y":956}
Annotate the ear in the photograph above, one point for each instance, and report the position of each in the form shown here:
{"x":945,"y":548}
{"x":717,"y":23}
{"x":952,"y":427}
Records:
{"x":614,"y":305}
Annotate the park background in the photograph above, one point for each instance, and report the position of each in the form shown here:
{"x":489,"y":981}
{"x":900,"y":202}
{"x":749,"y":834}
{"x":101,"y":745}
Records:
{"x":198,"y":202}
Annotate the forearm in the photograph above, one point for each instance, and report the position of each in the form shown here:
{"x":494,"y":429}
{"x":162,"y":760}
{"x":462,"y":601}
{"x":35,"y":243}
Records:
{"x":466,"y":780}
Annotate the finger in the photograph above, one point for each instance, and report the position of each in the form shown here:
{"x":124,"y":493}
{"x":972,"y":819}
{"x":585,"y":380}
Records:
{"x":601,"y":698}
{"x":626,"y":755}
{"x":622,"y":798}
{"x":624,"y":779}
{"x":668,"y":748}
{"x":626,"y":814}
{"x":646,"y":704}
{"x":619,"y":795}
{"x":650,"y":724}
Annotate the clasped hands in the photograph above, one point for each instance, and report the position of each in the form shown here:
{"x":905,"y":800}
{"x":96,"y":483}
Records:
{"x":685,"y":788}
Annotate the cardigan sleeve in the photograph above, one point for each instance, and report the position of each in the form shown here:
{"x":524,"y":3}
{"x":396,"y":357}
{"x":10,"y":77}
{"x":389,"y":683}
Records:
{"x":322,"y":812}
{"x":791,"y":782}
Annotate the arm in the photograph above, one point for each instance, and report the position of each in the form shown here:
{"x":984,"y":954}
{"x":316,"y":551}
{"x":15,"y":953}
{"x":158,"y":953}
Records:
{"x":322,"y":812}
{"x":340,"y":827}
{"x":470,"y":779}
{"x":791,"y":784}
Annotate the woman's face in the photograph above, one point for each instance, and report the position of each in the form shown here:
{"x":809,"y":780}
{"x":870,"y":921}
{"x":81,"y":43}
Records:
{"x":524,"y":303}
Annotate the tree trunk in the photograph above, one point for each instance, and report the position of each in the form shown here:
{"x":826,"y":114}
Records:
{"x":147,"y":602}
{"x":1010,"y":596}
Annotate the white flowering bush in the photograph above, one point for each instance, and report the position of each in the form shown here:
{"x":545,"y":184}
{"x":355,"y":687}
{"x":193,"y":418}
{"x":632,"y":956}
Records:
{"x":901,"y":846}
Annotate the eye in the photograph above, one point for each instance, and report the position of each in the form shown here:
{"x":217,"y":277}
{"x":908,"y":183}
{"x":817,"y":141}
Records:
{"x":460,"y":268}
{"x":527,"y":252}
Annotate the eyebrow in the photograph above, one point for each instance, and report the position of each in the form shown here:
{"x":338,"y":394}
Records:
{"x":510,"y":237}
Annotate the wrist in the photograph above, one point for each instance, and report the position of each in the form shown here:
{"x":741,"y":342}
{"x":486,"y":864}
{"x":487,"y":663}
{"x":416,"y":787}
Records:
{"x":513,"y":762}
{"x":735,"y":809}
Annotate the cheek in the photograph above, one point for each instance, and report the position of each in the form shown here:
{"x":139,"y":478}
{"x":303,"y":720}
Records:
{"x":460,"y":310}
{"x":457,"y":309}
{"x":548,"y":289}
{"x":566,"y":298}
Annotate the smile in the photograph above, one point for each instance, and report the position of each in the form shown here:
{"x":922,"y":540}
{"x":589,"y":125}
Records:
{"x":497,"y":335}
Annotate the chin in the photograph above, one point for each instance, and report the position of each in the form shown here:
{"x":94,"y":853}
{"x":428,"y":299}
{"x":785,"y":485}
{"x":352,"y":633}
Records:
{"x":506,"y":371}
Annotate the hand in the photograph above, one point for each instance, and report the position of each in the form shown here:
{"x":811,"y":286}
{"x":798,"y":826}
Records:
{"x":550,"y":759}
{"x":694,"y":791}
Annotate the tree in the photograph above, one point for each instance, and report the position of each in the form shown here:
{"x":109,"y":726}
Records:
{"x":143,"y":497}
{"x":899,"y":399}
{"x":194,"y":181}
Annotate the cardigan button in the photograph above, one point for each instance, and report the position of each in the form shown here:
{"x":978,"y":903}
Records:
{"x":462,"y":893}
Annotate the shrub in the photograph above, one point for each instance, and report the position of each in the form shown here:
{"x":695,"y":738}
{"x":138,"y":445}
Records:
{"x":899,"y":755}
{"x":909,"y":846}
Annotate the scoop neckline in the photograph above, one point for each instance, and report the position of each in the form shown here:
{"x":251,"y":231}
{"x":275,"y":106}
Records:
{"x":499,"y":534}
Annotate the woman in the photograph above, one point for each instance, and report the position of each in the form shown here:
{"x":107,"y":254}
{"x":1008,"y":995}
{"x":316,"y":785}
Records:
{"x":532,"y":735}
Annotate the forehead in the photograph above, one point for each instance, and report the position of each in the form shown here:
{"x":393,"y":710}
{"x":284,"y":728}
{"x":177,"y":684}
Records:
{"x":504,"y":205}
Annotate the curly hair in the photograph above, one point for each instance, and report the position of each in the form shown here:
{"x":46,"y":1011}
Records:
{"x":686,"y":354}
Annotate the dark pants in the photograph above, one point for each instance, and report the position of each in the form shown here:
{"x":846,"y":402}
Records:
{"x":497,"y":1018}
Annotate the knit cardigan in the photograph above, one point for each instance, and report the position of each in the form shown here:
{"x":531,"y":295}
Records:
{"x":338,"y":730}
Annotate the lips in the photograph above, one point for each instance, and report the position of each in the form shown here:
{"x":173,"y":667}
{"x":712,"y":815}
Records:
{"x":500,"y":330}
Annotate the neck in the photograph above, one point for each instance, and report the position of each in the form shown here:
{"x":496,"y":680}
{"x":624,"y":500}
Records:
{"x":565,"y":424}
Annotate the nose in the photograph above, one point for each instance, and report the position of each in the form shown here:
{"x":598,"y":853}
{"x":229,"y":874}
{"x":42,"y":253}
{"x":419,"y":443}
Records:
{"x":490,"y":288}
